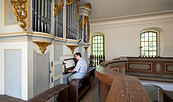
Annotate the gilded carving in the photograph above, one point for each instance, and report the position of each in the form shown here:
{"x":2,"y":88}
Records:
{"x":158,"y":67}
{"x":85,"y":19}
{"x":80,"y":18}
{"x":42,"y":45}
{"x":86,"y":48}
{"x":69,"y":2}
{"x":88,"y":6}
{"x":19,"y":8}
{"x":81,"y":21}
{"x":72,"y":47}
{"x":58,"y":7}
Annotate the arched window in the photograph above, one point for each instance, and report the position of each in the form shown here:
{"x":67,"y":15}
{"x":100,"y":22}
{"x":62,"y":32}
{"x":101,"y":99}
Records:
{"x":98,"y":45}
{"x":97,"y":48}
{"x":149,"y":44}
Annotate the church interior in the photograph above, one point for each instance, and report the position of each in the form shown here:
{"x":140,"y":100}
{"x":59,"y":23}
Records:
{"x":127,"y":45}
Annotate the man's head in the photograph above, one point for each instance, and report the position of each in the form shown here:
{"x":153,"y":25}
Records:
{"x":77,"y":55}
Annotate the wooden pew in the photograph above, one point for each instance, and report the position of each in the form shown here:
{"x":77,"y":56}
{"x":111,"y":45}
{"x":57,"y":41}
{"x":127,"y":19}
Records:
{"x":61,"y":90}
{"x":79,"y":87}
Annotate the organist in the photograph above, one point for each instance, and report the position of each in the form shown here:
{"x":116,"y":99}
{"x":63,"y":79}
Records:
{"x":80,"y":69}
{"x":80,"y":72}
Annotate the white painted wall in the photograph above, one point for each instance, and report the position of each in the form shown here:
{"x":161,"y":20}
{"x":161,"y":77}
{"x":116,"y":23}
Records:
{"x":24,"y":83}
{"x":7,"y":28}
{"x":122,"y":35}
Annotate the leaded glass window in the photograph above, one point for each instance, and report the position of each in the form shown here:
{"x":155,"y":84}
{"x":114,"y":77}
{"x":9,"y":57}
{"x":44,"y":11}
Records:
{"x":98,"y":45}
{"x":149,"y":44}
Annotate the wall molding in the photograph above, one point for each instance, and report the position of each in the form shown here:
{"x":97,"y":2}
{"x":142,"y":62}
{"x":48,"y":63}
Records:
{"x":131,"y":20}
{"x":37,"y":35}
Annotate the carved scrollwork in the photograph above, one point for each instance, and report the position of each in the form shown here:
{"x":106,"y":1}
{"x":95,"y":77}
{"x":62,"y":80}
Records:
{"x":80,"y":18}
{"x":86,"y":48}
{"x":42,"y":45}
{"x":69,"y":2}
{"x":58,"y":7}
{"x":72,"y":47}
{"x":88,"y":6}
{"x":19,"y":8}
{"x":81,"y":21}
{"x":85,"y":19}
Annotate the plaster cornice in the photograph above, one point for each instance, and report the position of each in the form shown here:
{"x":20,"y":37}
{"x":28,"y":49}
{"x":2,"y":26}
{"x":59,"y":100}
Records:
{"x":148,"y":18}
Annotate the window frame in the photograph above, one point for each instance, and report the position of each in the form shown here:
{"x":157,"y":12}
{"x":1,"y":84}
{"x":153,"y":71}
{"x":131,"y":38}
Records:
{"x":98,"y":34}
{"x":157,"y":43}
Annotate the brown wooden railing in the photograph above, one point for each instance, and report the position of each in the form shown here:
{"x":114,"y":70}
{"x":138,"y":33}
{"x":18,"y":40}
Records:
{"x":154,"y":69}
{"x":120,"y":87}
{"x":117,"y":87}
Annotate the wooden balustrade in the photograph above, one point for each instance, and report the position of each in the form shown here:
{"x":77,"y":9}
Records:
{"x":155,"y":69}
{"x":117,"y":87}
{"x":95,"y":60}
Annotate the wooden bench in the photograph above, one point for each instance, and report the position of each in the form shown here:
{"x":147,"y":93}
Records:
{"x":58,"y":92}
{"x":78,"y":87}
{"x":84,"y":85}
{"x":61,"y":90}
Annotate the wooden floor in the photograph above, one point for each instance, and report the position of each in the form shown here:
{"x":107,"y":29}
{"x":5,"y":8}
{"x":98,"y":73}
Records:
{"x":92,"y":94}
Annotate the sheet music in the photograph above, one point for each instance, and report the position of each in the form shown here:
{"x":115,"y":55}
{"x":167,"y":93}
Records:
{"x":69,"y":63}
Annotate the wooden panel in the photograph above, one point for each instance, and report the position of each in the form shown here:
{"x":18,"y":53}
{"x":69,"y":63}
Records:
{"x":41,"y":73}
{"x":118,"y":68}
{"x":159,"y":68}
{"x":169,"y":68}
{"x":13,"y":75}
{"x":140,"y":66}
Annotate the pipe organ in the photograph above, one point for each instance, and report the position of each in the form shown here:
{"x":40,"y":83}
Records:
{"x":41,"y":16}
{"x":80,"y":30}
{"x":46,"y":33}
{"x":72,"y":20}
{"x":58,"y":24}
{"x":76,"y":16}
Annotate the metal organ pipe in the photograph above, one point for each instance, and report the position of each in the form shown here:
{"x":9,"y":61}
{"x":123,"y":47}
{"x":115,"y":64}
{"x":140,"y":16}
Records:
{"x":46,"y":13}
{"x":33,"y":14}
{"x":41,"y":19}
{"x":36,"y":15}
{"x":41,"y":15}
{"x":58,"y":24}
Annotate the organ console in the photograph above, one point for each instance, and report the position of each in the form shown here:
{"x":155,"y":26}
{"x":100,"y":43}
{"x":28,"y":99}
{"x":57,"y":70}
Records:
{"x":69,"y":64}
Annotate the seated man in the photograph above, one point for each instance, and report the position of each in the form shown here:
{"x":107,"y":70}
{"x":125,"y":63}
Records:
{"x":81,"y":71}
